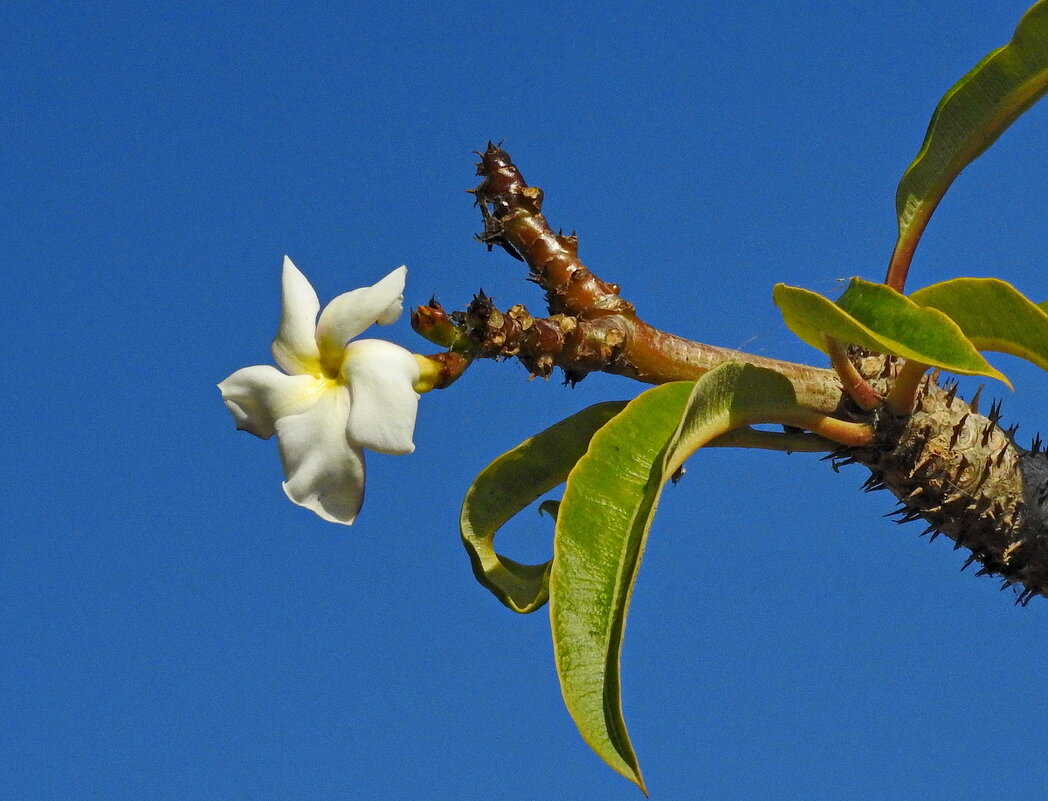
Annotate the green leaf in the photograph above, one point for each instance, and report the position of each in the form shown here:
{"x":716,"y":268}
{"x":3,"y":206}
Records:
{"x":968,"y":119}
{"x":877,"y":317}
{"x":603,"y":523}
{"x":993,"y":314}
{"x":512,"y":482}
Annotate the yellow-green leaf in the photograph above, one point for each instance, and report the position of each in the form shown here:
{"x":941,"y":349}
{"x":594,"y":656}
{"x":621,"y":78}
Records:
{"x":603,"y":523}
{"x":993,"y":314}
{"x":877,"y":317}
{"x":968,"y":119}
{"x":512,"y":482}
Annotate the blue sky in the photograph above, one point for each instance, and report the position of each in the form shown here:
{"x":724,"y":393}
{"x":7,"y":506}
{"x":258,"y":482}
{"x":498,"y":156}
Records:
{"x":172,"y":628}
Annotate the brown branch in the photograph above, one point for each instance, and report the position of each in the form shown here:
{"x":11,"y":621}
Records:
{"x":513,"y":219}
{"x":947,"y":464}
{"x":577,"y":346}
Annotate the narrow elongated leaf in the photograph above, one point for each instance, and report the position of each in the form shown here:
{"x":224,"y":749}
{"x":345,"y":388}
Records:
{"x":993,"y":314}
{"x":603,"y":523}
{"x":877,"y":317}
{"x":512,"y":482}
{"x":968,"y":119}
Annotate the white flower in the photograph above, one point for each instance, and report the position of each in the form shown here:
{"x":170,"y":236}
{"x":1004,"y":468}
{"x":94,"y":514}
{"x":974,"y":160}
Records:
{"x":335,"y":397}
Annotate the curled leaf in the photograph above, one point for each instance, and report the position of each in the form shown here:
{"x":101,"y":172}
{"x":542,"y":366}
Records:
{"x":993,"y":314}
{"x":512,"y":482}
{"x":877,"y":317}
{"x":603,"y":523}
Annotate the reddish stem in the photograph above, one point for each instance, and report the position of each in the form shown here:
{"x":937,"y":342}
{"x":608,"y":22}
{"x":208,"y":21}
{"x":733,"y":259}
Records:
{"x":857,"y":387}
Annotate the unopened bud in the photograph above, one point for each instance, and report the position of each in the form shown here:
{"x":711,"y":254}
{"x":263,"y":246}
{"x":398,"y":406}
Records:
{"x":439,"y":370}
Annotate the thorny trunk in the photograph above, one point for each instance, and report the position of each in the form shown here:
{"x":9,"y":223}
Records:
{"x":946,"y":463}
{"x":963,"y":475}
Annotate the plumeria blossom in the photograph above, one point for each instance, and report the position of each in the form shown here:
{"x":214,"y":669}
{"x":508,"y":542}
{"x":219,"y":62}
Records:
{"x":336,"y":396}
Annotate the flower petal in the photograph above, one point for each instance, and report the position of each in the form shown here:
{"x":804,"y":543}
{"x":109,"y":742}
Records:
{"x":324,"y":472}
{"x":383,"y":404}
{"x":295,"y":346}
{"x":256,"y":396}
{"x":350,"y":313}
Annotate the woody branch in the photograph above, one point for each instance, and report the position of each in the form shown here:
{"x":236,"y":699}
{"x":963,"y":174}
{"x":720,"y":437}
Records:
{"x":947,"y":464}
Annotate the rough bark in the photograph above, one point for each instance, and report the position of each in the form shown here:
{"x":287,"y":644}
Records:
{"x":946,"y":463}
{"x":966,"y":478}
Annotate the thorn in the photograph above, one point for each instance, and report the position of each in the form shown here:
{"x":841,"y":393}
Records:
{"x":951,"y":394}
{"x":1026,"y":596}
{"x":935,"y":534}
{"x":968,"y":562}
{"x":984,"y":473}
{"x":987,"y":432}
{"x":995,"y":411}
{"x":929,"y":530}
{"x":1000,"y":456}
{"x":986,"y":570}
{"x":905,"y":514}
{"x":982,"y":504}
{"x":1036,"y":445}
{"x":873,"y":483}
{"x":923,"y":469}
{"x":957,"y":429}
{"x":974,"y":403}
